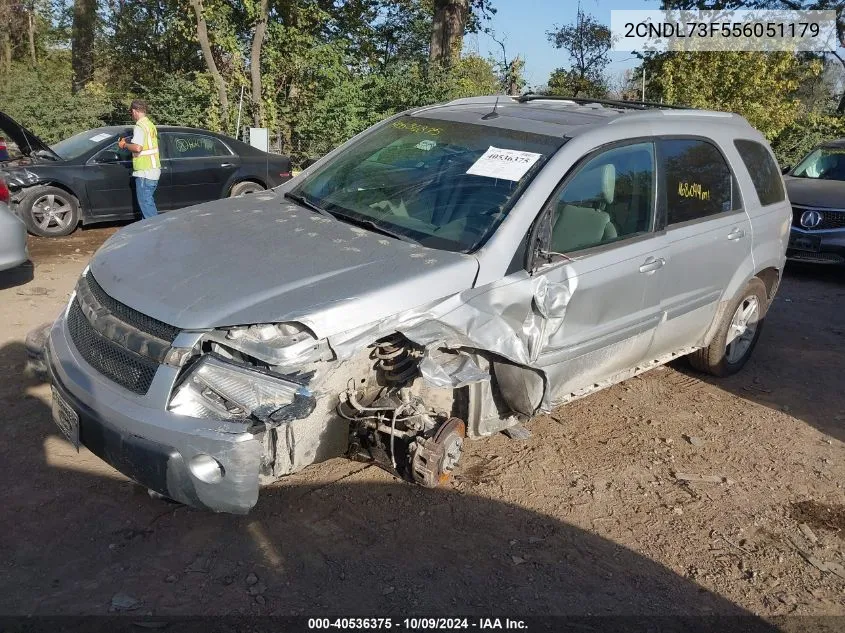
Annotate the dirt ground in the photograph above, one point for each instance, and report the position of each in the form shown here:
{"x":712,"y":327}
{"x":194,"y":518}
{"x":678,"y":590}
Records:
{"x":591,"y":515}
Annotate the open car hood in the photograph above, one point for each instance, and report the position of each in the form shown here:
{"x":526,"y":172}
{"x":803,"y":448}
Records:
{"x":27,"y":142}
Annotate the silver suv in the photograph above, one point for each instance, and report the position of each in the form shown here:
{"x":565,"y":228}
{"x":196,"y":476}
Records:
{"x":446,"y":274}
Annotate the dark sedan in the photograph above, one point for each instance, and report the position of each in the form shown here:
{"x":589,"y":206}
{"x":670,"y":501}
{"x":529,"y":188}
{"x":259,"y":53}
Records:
{"x":86,"y":178}
{"x":816,"y":188}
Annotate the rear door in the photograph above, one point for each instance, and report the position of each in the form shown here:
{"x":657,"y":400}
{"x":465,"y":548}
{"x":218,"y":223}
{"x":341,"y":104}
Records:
{"x":198,"y":167}
{"x":108,"y":180}
{"x":708,"y":236}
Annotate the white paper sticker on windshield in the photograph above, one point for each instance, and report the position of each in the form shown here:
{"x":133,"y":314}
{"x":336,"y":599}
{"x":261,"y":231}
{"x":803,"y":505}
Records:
{"x":509,"y":164}
{"x":100,"y":137}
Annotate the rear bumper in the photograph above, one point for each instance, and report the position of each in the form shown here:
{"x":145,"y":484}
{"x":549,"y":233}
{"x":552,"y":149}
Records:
{"x":150,"y":445}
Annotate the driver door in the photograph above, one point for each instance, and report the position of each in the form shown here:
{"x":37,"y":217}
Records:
{"x":108,"y":177}
{"x":599,"y":300}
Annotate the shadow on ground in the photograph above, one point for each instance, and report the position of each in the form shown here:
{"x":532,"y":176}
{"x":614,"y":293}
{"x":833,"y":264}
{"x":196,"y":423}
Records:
{"x":798,"y":364}
{"x":76,"y":534}
{"x":17,"y":276}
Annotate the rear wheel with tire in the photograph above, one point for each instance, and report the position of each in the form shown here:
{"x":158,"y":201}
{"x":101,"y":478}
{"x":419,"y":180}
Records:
{"x":245,"y":187}
{"x":49,"y":211}
{"x":737,"y":335}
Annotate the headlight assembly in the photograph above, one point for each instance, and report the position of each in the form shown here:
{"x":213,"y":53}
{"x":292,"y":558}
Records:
{"x":217,"y":389}
{"x":280,"y":344}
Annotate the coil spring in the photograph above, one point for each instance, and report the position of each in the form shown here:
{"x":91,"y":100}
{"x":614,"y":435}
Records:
{"x":396,"y":359}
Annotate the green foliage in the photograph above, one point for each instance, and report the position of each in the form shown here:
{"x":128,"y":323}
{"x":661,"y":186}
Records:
{"x":568,"y":83}
{"x":41,"y":100}
{"x":804,"y":133}
{"x":588,"y":44}
{"x":760,"y":86}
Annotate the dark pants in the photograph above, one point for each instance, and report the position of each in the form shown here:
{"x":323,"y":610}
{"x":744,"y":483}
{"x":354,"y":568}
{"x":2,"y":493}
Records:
{"x":145,"y":189}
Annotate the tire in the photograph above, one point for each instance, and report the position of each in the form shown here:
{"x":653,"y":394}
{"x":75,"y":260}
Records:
{"x":49,"y":211}
{"x":746,"y":311}
{"x":245,"y":187}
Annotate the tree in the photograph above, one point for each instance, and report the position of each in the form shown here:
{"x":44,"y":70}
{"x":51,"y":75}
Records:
{"x":255,"y":63}
{"x":5,"y":35}
{"x":452,"y":19}
{"x":82,"y":43}
{"x":447,"y":33}
{"x":511,"y":73}
{"x":803,"y":5}
{"x":205,"y":46}
{"x":588,"y":43}
{"x":760,"y":86}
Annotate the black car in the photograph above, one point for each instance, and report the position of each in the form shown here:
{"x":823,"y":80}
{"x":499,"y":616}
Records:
{"x":86,"y":178}
{"x":816,"y":188}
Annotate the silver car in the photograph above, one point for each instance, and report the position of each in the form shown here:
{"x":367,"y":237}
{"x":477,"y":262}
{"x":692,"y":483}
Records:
{"x":816,"y":187}
{"x":13,"y":251}
{"x":443,"y":276}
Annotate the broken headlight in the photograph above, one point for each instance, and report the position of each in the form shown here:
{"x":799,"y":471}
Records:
{"x":282,"y":345}
{"x":217,"y":389}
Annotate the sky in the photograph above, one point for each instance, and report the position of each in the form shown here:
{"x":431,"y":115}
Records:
{"x":523,"y":24}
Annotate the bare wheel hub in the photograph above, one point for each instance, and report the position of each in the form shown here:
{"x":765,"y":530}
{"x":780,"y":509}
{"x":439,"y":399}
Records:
{"x":435,"y":458}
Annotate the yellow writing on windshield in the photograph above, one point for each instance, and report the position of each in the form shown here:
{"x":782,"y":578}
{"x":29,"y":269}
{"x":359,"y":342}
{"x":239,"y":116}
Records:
{"x":410,"y":126}
{"x":692,"y":190}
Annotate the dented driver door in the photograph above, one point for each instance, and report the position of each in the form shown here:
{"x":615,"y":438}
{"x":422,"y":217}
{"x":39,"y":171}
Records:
{"x":598,"y":301}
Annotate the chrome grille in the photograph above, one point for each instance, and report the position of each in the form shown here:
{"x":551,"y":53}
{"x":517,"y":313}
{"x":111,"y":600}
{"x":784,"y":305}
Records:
{"x":117,"y":363}
{"x":831,"y":219}
{"x":126,"y":314}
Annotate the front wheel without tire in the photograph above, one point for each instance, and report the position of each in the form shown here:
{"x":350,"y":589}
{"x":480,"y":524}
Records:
{"x":49,"y":211}
{"x":244,"y":188}
{"x":737,"y":335}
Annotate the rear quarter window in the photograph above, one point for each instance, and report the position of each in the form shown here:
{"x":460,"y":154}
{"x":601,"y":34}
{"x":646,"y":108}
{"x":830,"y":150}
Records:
{"x":697,"y":178}
{"x":763,"y":170}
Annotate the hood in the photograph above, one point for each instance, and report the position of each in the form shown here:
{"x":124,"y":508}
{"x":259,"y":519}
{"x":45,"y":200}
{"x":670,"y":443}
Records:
{"x":262,"y":259}
{"x":27,"y":142}
{"x":815,"y":192}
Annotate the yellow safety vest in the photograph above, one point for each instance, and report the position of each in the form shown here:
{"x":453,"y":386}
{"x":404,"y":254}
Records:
{"x":148,"y":158}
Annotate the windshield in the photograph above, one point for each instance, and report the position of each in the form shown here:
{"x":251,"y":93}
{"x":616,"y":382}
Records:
{"x":440,"y":183}
{"x":824,"y":163}
{"x":79,"y":144}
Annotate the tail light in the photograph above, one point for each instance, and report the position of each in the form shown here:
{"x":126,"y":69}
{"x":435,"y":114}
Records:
{"x":4,"y":191}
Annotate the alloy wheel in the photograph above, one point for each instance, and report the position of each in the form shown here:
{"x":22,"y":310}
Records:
{"x":742,"y":329}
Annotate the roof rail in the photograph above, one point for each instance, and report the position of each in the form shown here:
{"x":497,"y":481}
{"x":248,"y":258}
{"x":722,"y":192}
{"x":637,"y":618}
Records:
{"x":634,"y":105}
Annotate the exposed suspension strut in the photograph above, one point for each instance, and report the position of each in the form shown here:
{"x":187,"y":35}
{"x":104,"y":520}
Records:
{"x":397,"y":359}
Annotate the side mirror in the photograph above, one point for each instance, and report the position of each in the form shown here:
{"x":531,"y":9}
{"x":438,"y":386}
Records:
{"x":786,"y":170}
{"x":109,"y":156}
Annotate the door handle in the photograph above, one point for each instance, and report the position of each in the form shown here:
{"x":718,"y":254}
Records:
{"x":736,"y":234}
{"x":227,"y":164}
{"x":652,"y":264}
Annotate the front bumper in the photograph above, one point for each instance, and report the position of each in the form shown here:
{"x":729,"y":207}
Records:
{"x":149,"y":444}
{"x":817,"y":247}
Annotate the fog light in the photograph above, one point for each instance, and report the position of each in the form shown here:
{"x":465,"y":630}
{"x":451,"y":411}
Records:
{"x":206,"y":468}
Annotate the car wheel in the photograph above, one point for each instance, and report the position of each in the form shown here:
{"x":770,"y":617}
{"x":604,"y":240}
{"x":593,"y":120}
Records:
{"x":737,"y":335}
{"x":49,"y":211}
{"x":245,"y":187}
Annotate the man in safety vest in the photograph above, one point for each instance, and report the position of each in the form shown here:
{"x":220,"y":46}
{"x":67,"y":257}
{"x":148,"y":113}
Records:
{"x":146,"y":161}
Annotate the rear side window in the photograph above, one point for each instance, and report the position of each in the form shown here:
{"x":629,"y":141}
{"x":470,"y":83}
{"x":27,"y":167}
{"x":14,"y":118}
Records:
{"x":763,"y":170}
{"x":698,"y":181}
{"x":196,"y":146}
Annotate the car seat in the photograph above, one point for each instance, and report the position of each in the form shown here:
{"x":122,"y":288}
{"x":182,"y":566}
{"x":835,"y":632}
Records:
{"x":580,"y":226}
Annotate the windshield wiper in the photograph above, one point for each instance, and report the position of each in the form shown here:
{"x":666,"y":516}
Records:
{"x":369,"y":224}
{"x":300,"y":199}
